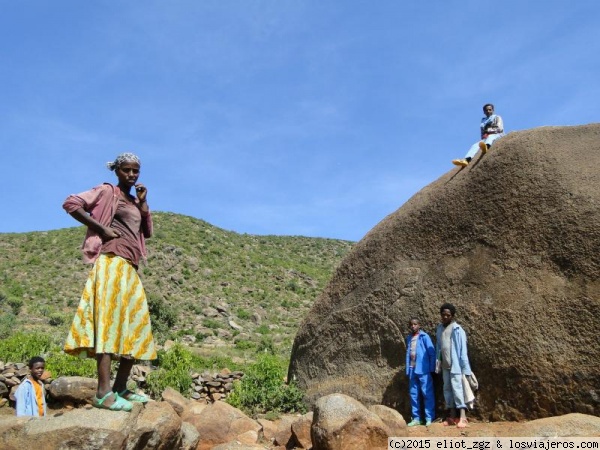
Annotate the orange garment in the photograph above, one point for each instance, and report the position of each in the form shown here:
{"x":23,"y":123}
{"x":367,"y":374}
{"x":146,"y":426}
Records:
{"x":39,"y":395}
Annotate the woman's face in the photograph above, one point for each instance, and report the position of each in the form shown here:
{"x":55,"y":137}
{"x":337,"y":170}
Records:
{"x":128,"y":173}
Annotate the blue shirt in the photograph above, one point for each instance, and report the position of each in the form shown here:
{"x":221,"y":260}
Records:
{"x":458,"y":348}
{"x":425,"y":353}
{"x":26,"y":401}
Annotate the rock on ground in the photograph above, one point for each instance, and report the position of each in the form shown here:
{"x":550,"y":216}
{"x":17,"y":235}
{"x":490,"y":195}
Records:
{"x":340,"y":422}
{"x":392,"y":419}
{"x":301,"y":431}
{"x":79,"y":390}
{"x":283,"y":435}
{"x":219,"y":423}
{"x":155,"y":426}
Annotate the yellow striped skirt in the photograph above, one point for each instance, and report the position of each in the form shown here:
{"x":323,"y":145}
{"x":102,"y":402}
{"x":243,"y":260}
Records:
{"x":112,"y":316}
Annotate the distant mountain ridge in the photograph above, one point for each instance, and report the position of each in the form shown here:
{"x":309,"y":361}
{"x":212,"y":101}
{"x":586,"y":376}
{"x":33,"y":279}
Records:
{"x":205,"y":284}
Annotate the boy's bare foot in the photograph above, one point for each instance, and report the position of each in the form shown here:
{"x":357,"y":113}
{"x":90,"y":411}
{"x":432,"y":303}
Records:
{"x":462,"y":423}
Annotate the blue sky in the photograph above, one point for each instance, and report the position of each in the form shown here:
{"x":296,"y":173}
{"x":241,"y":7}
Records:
{"x":287,"y":117}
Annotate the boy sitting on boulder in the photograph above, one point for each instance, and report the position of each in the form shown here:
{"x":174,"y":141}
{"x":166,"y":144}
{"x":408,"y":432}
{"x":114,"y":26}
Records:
{"x":491,"y":128}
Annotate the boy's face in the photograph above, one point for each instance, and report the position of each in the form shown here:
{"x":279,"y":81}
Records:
{"x":446,"y":316}
{"x":37,"y":370}
{"x":414,"y":326}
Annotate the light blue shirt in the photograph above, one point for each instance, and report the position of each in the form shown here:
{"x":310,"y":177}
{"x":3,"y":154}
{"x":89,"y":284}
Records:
{"x":458,"y":346}
{"x":26,"y":400}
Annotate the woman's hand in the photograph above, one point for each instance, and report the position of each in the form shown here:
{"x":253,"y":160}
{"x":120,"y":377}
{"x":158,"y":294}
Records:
{"x":109,"y":233}
{"x":141,"y":192}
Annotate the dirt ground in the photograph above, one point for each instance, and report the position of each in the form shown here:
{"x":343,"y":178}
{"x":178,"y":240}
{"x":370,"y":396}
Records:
{"x":475,"y":429}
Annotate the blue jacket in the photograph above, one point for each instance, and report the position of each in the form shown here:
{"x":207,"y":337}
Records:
{"x":460,"y":359}
{"x":425,"y":360}
{"x":26,"y":401}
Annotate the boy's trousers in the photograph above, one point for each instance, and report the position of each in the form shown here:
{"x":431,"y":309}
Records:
{"x":421,"y":387}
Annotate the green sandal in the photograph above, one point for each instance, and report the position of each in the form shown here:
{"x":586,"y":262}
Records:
{"x":133,"y":397}
{"x":120,"y":404}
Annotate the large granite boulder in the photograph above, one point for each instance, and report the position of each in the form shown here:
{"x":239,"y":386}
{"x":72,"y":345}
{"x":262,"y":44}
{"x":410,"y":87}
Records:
{"x":513,"y":240}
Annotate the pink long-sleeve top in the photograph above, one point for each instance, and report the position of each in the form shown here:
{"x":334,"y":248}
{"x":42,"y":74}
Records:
{"x":101,"y":203}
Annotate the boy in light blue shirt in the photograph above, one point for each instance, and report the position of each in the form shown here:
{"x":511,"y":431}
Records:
{"x":491,"y":128}
{"x":31,"y":395}
{"x":451,"y":351}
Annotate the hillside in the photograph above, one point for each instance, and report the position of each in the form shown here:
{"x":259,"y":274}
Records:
{"x":206,"y":286}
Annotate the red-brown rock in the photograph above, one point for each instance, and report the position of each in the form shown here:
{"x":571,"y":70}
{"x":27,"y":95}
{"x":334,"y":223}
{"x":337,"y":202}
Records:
{"x":219,"y":423}
{"x":175,"y":399}
{"x":301,"y":431}
{"x":340,"y":422}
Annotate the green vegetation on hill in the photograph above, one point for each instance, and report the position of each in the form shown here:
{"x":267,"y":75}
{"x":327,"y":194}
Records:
{"x":208,"y":287}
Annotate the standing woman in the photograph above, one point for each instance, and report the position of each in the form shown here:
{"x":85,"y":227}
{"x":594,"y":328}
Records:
{"x":112,"y":320}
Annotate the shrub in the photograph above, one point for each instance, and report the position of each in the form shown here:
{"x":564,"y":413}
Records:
{"x":174,"y":371}
{"x":20,"y":347}
{"x":292,"y":286}
{"x":244,"y":344}
{"x":263,"y":329}
{"x":16,"y":304}
{"x":178,"y":379}
{"x":266,"y":345}
{"x":8,"y":323}
{"x":200,"y":336}
{"x":262,"y":389}
{"x":162,"y":315}
{"x":60,"y":364}
{"x":215,"y":362}
{"x":242,"y":314}
{"x":272,"y":415}
{"x":290,"y":304}
{"x":177,"y":356}
{"x":212,"y":324}
{"x":56,"y":319}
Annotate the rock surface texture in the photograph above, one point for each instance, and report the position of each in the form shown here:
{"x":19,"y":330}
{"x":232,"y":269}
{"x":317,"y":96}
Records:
{"x":156,"y":426}
{"x":513,"y":241}
{"x":340,"y":422}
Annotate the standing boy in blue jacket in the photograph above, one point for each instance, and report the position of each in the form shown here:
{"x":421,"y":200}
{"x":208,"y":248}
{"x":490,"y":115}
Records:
{"x":420,"y":363}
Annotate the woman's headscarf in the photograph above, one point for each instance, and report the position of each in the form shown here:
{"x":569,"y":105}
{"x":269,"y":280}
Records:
{"x":123,"y":158}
